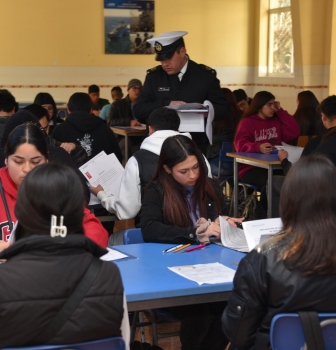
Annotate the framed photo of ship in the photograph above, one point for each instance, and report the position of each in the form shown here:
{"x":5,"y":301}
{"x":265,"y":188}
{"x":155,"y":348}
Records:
{"x":128,"y":25}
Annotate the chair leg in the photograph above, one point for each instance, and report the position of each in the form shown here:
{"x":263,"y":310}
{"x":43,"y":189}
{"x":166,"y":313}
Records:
{"x":134,"y":323}
{"x":154,"y":327}
{"x":142,"y":331}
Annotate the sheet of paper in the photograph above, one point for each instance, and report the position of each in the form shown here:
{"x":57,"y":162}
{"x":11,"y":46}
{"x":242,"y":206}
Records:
{"x":104,"y":170}
{"x":93,"y":199}
{"x":188,"y":106}
{"x":205,"y":273}
{"x":113,"y":255}
{"x":294,"y":152}
{"x":232,"y":237}
{"x":257,"y":231}
{"x":191,"y":122}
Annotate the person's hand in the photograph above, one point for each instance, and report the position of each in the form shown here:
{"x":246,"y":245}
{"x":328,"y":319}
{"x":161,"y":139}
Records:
{"x":265,"y":148}
{"x":135,"y":123}
{"x":97,"y":189}
{"x":233,"y":221}
{"x":3,"y":245}
{"x":282,"y":154}
{"x":174,"y":103}
{"x":277,"y":105}
{"x":213,"y":230}
{"x":68,"y":146}
{"x":95,"y":112}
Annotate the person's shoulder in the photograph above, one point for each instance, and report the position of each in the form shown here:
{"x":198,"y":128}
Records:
{"x":203,"y":68}
{"x":154,"y":70}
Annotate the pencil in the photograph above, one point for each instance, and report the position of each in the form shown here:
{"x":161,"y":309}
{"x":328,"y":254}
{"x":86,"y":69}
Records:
{"x":178,"y":249}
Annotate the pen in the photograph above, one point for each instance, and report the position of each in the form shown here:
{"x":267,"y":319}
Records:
{"x":181,"y":248}
{"x":195,"y":248}
{"x":172,"y":248}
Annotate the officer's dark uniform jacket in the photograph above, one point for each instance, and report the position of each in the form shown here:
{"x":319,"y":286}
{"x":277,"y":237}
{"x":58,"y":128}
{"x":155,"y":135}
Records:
{"x":199,"y":83}
{"x":264,"y":287}
{"x":40,"y":274}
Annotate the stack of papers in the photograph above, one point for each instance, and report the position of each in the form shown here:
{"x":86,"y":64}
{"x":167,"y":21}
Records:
{"x":294,"y":152}
{"x":205,"y":273}
{"x":104,"y":170}
{"x":254,"y":233}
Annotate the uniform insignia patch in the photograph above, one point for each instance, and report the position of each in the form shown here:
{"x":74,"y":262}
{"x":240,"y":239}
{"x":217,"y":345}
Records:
{"x":163,"y":88}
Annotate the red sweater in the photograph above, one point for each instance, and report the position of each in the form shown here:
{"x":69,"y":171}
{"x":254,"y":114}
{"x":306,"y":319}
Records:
{"x":253,"y":131}
{"x":93,"y":228}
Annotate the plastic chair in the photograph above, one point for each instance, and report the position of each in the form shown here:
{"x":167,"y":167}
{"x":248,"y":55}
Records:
{"x":157,"y":316}
{"x":287,"y":332}
{"x":113,"y":343}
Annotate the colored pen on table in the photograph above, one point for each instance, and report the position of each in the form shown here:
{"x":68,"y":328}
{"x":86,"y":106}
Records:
{"x":181,"y":248}
{"x":201,"y":246}
{"x":173,"y":248}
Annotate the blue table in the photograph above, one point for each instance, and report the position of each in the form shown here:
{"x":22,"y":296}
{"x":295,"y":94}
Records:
{"x":150,"y":284}
{"x":266,"y":161}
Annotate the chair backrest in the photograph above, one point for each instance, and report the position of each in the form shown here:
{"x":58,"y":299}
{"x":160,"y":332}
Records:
{"x":133,"y":236}
{"x":226,"y":148}
{"x":287,"y":332}
{"x":113,"y":343}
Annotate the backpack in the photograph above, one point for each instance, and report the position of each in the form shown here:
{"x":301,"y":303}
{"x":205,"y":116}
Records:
{"x":251,"y":209}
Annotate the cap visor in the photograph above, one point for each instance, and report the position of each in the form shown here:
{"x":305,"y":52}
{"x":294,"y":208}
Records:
{"x":164,"y":56}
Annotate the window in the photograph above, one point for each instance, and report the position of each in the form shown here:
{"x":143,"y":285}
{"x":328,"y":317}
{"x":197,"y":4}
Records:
{"x":280,"y":38}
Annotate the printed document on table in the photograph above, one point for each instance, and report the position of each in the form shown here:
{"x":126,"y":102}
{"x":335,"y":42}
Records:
{"x":104,"y":170}
{"x":258,"y":231}
{"x":205,"y":273}
{"x":113,"y":255}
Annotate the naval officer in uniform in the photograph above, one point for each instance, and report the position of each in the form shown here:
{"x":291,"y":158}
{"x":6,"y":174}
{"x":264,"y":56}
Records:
{"x":179,"y":80}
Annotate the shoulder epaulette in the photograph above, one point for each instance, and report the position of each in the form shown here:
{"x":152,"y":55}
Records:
{"x":207,"y":68}
{"x":153,"y":69}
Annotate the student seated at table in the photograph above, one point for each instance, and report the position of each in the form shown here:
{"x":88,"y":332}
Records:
{"x":42,"y":270}
{"x":177,"y":205}
{"x":325,"y":144}
{"x":296,"y":269}
{"x":26,"y":148}
{"x":264,"y":125}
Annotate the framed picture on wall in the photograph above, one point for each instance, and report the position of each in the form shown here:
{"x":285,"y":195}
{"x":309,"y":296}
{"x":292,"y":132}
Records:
{"x":128,"y":25}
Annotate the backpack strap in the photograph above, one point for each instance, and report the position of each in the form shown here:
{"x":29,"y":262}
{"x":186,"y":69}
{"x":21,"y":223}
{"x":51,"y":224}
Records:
{"x":71,"y":304}
{"x":9,"y":218}
{"x":312,"y":330}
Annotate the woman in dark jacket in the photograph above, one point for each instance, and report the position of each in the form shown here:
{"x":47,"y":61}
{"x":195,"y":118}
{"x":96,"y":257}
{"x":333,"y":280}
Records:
{"x":294,"y":270}
{"x":181,"y":204}
{"x":42,"y":269}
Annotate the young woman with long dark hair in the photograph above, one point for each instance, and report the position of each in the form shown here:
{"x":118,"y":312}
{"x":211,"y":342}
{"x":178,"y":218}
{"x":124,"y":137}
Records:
{"x":296,"y":269}
{"x":182,"y":205}
{"x":264,"y":125}
{"x":42,"y":269}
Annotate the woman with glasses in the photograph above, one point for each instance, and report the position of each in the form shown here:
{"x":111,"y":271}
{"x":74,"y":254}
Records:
{"x":264,"y":125}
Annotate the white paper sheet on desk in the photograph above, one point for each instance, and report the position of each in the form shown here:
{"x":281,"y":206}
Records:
{"x":257,"y":231}
{"x":205,"y":273}
{"x":104,"y":170}
{"x":113,"y":255}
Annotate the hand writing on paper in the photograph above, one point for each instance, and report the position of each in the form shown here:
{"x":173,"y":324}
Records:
{"x":173,"y":103}
{"x":282,"y":154}
{"x":135,"y":123}
{"x":97,"y":189}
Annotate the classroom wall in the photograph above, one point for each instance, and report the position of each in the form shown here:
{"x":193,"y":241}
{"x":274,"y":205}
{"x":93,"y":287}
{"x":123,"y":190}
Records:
{"x":59,"y":48}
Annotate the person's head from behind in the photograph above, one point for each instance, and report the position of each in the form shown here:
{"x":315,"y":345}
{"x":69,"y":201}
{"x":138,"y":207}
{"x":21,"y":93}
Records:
{"x":133,"y":88}
{"x":241,"y":99}
{"x":116,"y":93}
{"x":79,"y":102}
{"x":163,"y":119}
{"x":50,"y":189}
{"x":328,"y":111}
{"x":94,"y":93}
{"x":306,"y":100}
{"x":7,"y":103}
{"x":307,"y":210}
{"x":263,"y":104}
{"x":41,"y":114}
{"x":25,"y":149}
{"x":45,"y":100}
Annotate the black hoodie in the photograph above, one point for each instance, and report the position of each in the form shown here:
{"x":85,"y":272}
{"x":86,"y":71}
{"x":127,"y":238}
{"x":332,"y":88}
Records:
{"x":90,"y":132}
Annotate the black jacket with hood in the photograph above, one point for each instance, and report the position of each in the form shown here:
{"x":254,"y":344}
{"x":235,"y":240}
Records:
{"x":90,"y":132}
